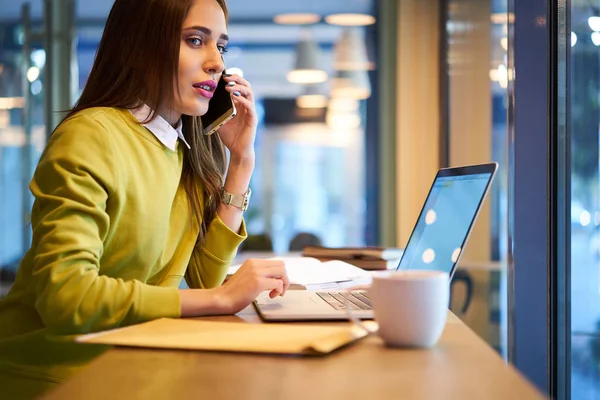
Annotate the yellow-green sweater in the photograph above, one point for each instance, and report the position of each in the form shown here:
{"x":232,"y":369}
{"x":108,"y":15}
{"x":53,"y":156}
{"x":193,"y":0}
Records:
{"x":112,"y":239}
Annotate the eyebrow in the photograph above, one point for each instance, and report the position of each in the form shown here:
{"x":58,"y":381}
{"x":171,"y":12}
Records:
{"x":208,"y":32}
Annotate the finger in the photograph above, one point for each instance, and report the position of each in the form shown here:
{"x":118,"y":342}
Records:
{"x":243,"y":90}
{"x":276,"y":271}
{"x":270,"y":284}
{"x":240,"y":84}
{"x":286,"y":283}
{"x":283,"y":281}
{"x":286,"y":286}
{"x":237,"y":79}
{"x":262,"y":268}
{"x":246,"y":103}
{"x":276,"y":288}
{"x":271,"y":272}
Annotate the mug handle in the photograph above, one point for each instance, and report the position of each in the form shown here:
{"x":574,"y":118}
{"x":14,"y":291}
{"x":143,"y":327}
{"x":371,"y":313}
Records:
{"x":353,"y":318}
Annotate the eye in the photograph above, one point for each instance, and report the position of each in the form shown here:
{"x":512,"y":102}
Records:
{"x":222,"y":48}
{"x":194,"y":41}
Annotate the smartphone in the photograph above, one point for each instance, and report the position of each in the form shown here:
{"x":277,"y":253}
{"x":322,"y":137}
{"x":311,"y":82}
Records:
{"x":220,"y":110}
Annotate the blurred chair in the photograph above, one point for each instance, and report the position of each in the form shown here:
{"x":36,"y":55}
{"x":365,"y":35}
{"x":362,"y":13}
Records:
{"x":303,"y":239}
{"x":257,"y":242}
{"x":464,"y":277}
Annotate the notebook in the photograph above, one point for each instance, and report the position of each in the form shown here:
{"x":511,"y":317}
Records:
{"x":311,"y":274}
{"x":369,"y":258}
{"x":436,"y":243}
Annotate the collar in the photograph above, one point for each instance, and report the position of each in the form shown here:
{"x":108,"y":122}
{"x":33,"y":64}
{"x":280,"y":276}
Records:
{"x":160,"y":128}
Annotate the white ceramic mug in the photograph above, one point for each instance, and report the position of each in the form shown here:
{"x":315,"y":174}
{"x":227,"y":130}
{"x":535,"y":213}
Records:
{"x":410,"y":307}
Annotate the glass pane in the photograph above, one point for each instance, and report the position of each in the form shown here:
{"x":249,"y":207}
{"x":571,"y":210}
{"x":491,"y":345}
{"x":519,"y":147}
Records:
{"x":19,"y":148}
{"x":584,"y":87}
{"x":309,"y":175}
{"x":325,"y":197}
{"x":477,"y":95}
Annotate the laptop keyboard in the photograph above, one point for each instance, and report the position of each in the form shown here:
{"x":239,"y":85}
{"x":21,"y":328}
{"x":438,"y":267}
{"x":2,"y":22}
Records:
{"x":357,"y":300}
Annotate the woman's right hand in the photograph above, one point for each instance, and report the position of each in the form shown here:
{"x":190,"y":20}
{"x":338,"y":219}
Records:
{"x":254,"y":277}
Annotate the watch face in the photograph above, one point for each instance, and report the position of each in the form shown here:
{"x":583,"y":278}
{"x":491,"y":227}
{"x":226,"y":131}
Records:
{"x":246,"y":200}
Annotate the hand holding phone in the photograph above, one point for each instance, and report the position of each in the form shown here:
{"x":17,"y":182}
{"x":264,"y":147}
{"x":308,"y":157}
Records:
{"x":220,"y":109}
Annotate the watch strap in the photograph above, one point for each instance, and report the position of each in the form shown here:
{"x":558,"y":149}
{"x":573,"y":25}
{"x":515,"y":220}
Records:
{"x":239,"y":201}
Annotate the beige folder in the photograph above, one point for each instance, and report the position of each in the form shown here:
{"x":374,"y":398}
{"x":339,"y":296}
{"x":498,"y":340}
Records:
{"x":302,"y":339}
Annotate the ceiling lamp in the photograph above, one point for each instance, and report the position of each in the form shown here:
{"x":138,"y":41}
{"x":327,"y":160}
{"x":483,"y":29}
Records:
{"x":297,"y":19}
{"x":342,"y":114}
{"x":306,"y":68}
{"x":342,"y":121}
{"x":351,"y":85}
{"x":343,"y":105}
{"x":312,"y":98}
{"x":311,"y":101}
{"x":350,"y":19}
{"x":350,"y":51}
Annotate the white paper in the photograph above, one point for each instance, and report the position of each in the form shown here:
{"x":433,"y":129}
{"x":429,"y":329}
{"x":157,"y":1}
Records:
{"x":310,"y":271}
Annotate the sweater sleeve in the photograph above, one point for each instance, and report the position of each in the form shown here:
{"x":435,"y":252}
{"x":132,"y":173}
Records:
{"x":72,"y":185}
{"x":209,"y":263}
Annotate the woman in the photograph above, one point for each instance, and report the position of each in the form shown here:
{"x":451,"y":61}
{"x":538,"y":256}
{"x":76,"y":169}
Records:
{"x":127,"y":197}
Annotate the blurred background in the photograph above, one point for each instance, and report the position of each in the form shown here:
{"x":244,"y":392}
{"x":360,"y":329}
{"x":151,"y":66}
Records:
{"x":360,"y":102}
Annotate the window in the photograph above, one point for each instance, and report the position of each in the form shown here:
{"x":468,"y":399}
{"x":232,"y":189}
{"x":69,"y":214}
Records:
{"x":476,"y":42}
{"x":584,"y":87}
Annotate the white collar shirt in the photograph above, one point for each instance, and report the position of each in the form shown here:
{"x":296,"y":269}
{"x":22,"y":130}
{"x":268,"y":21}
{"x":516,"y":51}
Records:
{"x":160,"y":128}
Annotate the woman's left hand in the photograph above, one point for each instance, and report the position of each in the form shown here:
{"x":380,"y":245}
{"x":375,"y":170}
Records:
{"x":238,"y":134}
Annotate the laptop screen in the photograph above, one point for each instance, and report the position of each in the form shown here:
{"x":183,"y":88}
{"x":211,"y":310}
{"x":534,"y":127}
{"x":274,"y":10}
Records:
{"x":441,"y":231}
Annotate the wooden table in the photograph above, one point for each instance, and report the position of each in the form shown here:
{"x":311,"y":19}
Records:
{"x":460,"y":366}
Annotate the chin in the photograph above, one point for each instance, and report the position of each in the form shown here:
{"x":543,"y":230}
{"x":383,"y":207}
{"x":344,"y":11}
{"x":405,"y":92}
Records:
{"x":195,"y":109}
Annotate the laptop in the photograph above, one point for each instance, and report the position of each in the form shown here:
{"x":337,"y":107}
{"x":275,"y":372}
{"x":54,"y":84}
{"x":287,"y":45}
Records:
{"x":436,"y":242}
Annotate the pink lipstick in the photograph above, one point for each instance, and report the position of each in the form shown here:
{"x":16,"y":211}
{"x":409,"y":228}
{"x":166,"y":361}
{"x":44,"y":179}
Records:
{"x":206,"y":88}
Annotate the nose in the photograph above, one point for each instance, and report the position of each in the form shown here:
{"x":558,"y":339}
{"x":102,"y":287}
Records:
{"x":214,"y":63}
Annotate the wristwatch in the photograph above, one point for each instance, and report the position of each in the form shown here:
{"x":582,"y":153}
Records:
{"x":236,"y":200}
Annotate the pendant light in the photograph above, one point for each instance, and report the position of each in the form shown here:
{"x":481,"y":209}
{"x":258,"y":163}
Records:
{"x":312,"y":97}
{"x":350,"y":51}
{"x":351,"y":85}
{"x":307,"y":66}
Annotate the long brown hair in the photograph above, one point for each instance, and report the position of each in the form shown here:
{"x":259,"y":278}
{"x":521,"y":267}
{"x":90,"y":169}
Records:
{"x":137,"y":62}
